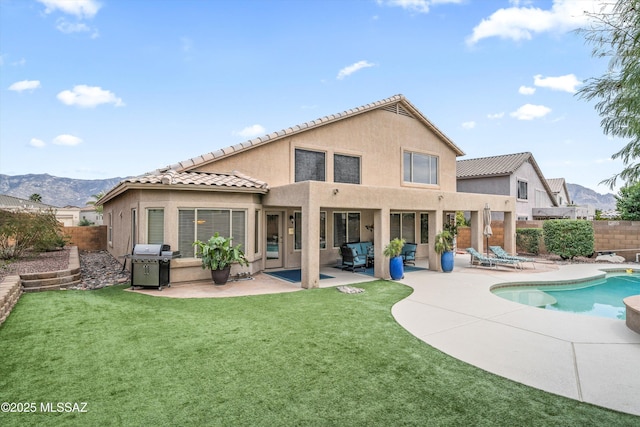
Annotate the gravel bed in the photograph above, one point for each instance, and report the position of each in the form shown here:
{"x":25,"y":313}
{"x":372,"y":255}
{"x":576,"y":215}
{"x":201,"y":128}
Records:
{"x":35,"y":263}
{"x":98,"y":269}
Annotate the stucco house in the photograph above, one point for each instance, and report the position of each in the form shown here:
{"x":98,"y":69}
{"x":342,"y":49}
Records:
{"x":291,"y":198}
{"x":516,"y":175}
{"x":560,"y":191}
{"x":68,"y":215}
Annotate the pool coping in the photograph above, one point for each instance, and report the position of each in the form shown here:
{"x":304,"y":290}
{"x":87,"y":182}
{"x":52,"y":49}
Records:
{"x":585,"y":358}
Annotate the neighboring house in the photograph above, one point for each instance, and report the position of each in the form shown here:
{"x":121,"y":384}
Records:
{"x":565,"y":209}
{"x":68,"y":216}
{"x":89,"y":213}
{"x":560,"y":191}
{"x":516,"y":175}
{"x":292,"y":197}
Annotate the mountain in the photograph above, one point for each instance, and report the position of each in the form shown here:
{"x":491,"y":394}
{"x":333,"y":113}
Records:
{"x":61,"y":192}
{"x":585,"y":196}
{"x":55,"y":191}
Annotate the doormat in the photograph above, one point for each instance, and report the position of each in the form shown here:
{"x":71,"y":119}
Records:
{"x":293,"y":276}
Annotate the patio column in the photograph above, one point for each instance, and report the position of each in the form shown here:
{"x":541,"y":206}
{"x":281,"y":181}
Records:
{"x":510,"y":232}
{"x":435,"y":227}
{"x":477,"y":236}
{"x":310,"y":244}
{"x":381,"y":232}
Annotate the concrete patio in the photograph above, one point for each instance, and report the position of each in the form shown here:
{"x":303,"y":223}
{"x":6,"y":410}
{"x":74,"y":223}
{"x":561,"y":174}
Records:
{"x":586,"y":358}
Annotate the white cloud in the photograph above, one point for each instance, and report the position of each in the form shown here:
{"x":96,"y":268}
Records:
{"x":526,"y":90}
{"x":566,"y":83}
{"x":420,"y":6}
{"x":67,"y":27}
{"x":78,"y":8}
{"x":495,"y":116}
{"x":521,"y":23}
{"x":38,"y":143}
{"x":530,"y":112}
{"x":67,"y":139}
{"x":469,"y":125}
{"x":347,"y":71}
{"x":251,"y":131}
{"x":25,"y":85}
{"x":89,"y":96}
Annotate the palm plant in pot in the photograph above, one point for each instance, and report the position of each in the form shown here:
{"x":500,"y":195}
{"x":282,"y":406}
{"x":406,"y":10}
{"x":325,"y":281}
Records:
{"x":444,"y":247}
{"x":393,"y":251}
{"x":218,"y":253}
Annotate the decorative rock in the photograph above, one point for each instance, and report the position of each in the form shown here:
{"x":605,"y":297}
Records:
{"x":349,"y":289}
{"x":617,"y":259}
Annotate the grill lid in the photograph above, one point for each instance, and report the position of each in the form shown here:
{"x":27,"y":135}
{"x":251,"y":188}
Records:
{"x":153,"y":250}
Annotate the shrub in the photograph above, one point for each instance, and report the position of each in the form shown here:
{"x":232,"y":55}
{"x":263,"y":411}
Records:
{"x":20,"y":231}
{"x":528,"y":240}
{"x":568,"y":238}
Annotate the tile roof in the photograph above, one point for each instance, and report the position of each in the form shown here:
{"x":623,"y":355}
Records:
{"x":491,"y":166}
{"x":385,"y":103}
{"x":503,"y":165}
{"x":556,"y":184}
{"x":171,"y":177}
{"x":202,"y":180}
{"x":10,"y":202}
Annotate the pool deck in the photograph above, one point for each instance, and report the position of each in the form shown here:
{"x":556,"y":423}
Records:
{"x":590,"y":359}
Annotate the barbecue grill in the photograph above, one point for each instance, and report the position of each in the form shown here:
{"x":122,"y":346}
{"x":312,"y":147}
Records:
{"x":150,"y":265}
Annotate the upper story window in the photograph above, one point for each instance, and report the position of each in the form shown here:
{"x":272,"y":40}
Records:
{"x":310,"y":165}
{"x":420,"y":168}
{"x":346,"y":169}
{"x":523,"y":190}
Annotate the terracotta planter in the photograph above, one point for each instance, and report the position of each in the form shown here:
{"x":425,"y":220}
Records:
{"x":220,"y":277}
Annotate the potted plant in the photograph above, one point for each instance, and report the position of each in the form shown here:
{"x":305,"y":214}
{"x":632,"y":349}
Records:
{"x":444,"y":247}
{"x":218,"y":253}
{"x":393,"y":251}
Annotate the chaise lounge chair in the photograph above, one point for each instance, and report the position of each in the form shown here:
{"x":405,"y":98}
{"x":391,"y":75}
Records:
{"x":490,"y":261}
{"x":502,"y":254}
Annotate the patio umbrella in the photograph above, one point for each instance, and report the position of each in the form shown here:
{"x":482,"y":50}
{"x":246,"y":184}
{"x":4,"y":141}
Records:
{"x":486,"y":222}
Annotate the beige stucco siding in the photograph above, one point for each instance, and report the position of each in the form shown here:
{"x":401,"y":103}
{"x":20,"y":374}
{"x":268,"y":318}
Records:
{"x":379,"y":137}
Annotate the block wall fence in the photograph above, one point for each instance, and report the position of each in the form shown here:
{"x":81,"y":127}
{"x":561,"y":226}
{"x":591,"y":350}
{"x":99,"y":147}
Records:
{"x":621,"y":237}
{"x":90,"y":238}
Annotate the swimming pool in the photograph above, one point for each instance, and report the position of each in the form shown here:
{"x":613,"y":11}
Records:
{"x":600,"y":297}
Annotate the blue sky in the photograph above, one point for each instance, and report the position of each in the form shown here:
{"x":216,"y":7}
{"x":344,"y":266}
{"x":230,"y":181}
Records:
{"x":98,"y":89}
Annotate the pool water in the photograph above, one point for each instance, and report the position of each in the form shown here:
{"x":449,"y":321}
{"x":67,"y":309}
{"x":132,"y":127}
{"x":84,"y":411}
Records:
{"x":601,"y":297}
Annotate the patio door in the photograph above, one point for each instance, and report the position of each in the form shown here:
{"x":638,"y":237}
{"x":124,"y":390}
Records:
{"x":274,"y":240}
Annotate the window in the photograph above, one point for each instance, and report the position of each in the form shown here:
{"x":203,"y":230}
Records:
{"x":346,"y":227}
{"x":110,"y":228}
{"x":424,"y":228}
{"x":201,"y":224}
{"x":420,"y":168}
{"x":297,"y":230}
{"x":403,"y":226}
{"x":523,"y":190}
{"x":155,"y":226}
{"x":256,"y":232}
{"x":309,"y":165}
{"x":346,"y":169}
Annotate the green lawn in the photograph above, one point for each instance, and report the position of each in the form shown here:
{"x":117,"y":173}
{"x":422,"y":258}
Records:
{"x":316,"y":357}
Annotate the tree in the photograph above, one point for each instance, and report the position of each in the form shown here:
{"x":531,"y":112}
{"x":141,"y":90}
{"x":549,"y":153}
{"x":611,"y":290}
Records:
{"x":96,"y":197}
{"x":615,"y":34}
{"x":35,"y":197}
{"x":628,"y":202}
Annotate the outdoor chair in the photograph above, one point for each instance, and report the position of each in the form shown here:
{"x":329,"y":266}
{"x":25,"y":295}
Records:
{"x":502,"y":254}
{"x":490,"y":261}
{"x":351,"y":259}
{"x":409,"y":253}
